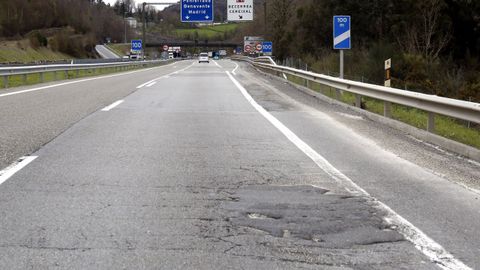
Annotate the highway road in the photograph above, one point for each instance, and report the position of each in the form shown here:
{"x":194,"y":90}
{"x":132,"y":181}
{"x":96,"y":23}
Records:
{"x":105,"y":52}
{"x":216,"y":166}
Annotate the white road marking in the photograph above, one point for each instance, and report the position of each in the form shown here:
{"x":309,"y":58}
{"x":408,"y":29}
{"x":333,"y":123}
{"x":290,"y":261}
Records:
{"x":164,"y":76}
{"x":15,"y":167}
{"x":218,"y":65}
{"x":151,"y":84}
{"x":78,"y":81}
{"x":434,"y":251}
{"x":236,"y":67}
{"x":113,"y":105}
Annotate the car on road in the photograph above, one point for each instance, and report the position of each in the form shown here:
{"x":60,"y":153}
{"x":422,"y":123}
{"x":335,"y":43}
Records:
{"x":203,"y":57}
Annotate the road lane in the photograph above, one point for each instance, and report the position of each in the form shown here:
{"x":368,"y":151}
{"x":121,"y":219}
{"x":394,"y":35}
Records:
{"x":105,"y":52}
{"x":424,"y":195}
{"x":185,"y":174}
{"x":31,"y":119}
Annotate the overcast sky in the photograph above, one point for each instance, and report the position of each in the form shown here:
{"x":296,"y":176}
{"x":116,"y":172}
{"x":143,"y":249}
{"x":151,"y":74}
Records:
{"x":111,"y":2}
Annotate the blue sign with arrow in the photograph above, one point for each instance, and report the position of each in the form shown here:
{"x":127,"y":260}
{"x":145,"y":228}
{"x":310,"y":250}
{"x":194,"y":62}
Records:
{"x":341,"y":33}
{"x":196,"y":11}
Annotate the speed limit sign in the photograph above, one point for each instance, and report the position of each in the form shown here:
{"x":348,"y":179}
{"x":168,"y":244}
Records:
{"x":165,"y":47}
{"x":259,"y":47}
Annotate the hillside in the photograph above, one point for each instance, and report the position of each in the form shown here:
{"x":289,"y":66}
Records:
{"x":56,"y":28}
{"x":21,"y":51}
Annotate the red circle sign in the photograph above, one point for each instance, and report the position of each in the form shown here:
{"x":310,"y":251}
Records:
{"x":165,"y":47}
{"x":259,"y":47}
{"x":248,"y":48}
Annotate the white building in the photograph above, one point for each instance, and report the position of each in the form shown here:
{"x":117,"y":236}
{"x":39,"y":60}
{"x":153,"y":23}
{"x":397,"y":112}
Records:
{"x":132,"y":22}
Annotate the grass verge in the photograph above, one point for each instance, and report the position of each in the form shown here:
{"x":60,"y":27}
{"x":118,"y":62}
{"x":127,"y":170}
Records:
{"x":445,"y":126}
{"x":207,"y":32}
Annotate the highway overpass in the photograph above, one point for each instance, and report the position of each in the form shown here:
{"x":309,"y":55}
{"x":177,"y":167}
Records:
{"x":217,"y":166}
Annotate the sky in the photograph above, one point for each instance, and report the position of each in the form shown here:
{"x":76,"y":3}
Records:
{"x":111,"y":2}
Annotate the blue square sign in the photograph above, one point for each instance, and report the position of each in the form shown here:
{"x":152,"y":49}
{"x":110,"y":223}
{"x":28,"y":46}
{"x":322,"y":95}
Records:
{"x":196,"y":11}
{"x":341,"y":32}
{"x":267,"y":47}
{"x":136,"y":45}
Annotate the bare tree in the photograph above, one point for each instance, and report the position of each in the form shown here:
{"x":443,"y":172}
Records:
{"x":428,"y":35}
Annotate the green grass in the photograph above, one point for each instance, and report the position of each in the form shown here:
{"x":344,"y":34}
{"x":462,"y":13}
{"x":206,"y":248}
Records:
{"x":444,"y":126}
{"x":119,"y":49}
{"x":13,"y":54}
{"x":207,"y":32}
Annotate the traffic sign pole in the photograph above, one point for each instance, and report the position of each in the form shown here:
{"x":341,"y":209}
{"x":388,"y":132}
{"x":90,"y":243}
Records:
{"x":341,"y":64}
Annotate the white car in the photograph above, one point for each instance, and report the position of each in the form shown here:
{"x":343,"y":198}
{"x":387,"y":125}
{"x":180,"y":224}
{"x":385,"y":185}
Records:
{"x":203,"y":57}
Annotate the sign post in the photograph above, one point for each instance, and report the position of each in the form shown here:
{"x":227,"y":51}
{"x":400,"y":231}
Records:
{"x":388,"y":67}
{"x":342,"y":41}
{"x":387,"y":106}
{"x":196,"y":11}
{"x":341,"y":37}
{"x":240,"y":10}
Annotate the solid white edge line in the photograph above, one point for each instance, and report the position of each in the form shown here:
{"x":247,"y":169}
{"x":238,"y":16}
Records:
{"x":79,"y":81}
{"x":113,"y":105}
{"x":15,"y":167}
{"x":164,"y":76}
{"x":434,"y":251}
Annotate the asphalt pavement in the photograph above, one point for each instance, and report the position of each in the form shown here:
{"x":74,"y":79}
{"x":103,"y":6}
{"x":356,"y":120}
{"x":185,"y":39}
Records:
{"x":176,"y":168}
{"x":105,"y":52}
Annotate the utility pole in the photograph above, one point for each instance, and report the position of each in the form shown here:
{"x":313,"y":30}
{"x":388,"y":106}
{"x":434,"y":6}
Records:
{"x":265,"y":15}
{"x":125,"y":25}
{"x":144,"y":39}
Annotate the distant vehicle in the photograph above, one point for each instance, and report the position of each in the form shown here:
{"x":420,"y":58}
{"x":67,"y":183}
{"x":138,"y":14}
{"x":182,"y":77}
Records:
{"x":203,"y":57}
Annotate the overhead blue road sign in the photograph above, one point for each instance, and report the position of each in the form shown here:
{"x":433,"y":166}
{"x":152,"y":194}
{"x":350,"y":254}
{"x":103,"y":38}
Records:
{"x":341,"y":33}
{"x":197,"y":11}
{"x":137,"y":45}
{"x":267,"y":47}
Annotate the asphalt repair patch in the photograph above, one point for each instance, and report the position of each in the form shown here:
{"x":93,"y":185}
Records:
{"x":310,"y":225}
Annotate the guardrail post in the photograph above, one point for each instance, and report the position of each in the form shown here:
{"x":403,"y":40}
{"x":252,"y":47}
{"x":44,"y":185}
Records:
{"x":42,"y":79}
{"x":387,"y":109}
{"x":431,"y":122}
{"x":66,"y":75}
{"x":78,"y":73}
{"x":5,"y":81}
{"x":24,"y":78}
{"x":54,"y":75}
{"x":338,"y":94}
{"x":358,"y":101}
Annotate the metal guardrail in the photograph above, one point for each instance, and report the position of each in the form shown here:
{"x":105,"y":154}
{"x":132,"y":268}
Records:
{"x":24,"y":71}
{"x":432,"y":104}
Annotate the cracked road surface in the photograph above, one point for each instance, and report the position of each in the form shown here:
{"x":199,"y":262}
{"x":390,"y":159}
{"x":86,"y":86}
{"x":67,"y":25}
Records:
{"x":184,"y":174}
